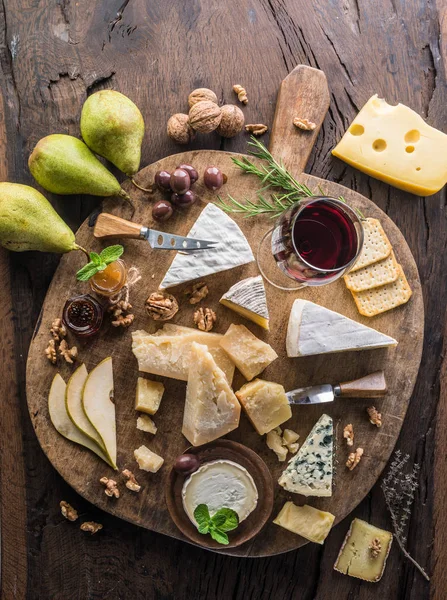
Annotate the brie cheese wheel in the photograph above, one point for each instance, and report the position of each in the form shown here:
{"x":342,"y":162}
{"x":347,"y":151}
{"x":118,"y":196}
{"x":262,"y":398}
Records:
{"x":211,"y":408}
{"x":220,"y":484}
{"x":247,"y":298}
{"x":309,"y":472}
{"x":314,"y":329}
{"x":231,"y":251}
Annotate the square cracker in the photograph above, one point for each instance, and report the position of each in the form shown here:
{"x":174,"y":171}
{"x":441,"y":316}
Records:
{"x":380,"y":299}
{"x":376,"y":245}
{"x":379,"y":273}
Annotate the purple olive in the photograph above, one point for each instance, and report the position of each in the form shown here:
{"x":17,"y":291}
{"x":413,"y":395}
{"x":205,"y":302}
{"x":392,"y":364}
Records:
{"x":163,"y":180}
{"x":162,"y":210}
{"x":184,"y":200}
{"x":185,"y":464}
{"x":213,"y":178}
{"x":180,"y":181}
{"x":193,"y":175}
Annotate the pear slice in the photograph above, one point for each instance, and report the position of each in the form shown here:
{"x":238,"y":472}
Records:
{"x":75,"y":410}
{"x":98,"y":406}
{"x":62,"y":422}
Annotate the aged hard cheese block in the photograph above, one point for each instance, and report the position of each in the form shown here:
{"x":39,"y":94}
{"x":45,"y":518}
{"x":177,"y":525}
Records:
{"x":250,"y":354}
{"x":265,"y":403}
{"x":170,"y":355}
{"x":145,"y":423}
{"x":148,"y":460}
{"x":247,"y":297}
{"x":211,"y":408}
{"x":314,"y":329}
{"x":395,"y":145}
{"x":309,"y":522}
{"x":232,"y":250}
{"x":309,"y":472}
{"x":364,"y":551}
{"x":149,"y":394}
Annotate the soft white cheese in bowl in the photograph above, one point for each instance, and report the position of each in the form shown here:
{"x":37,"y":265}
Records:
{"x":218,"y":484}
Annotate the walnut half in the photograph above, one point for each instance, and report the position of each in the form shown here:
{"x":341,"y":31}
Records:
{"x":304,"y":124}
{"x":161,"y":306}
{"x":131,"y":483}
{"x":111,"y":487}
{"x":91,"y":527}
{"x":68,"y":511}
{"x":256,"y":128}
{"x":348,"y":434}
{"x":375,"y":418}
{"x":375,"y":548}
{"x":197,"y":292}
{"x":205,"y":318}
{"x":354,"y":459}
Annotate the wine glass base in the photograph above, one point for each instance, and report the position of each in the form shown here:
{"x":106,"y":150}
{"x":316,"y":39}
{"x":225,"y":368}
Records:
{"x":269,"y":268}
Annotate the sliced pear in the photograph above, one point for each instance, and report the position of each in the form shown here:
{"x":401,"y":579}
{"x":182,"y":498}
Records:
{"x":62,"y":422}
{"x":73,"y":403}
{"x":98,"y":406}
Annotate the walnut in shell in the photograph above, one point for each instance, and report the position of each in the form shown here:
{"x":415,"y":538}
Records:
{"x":201,"y":94}
{"x":161,"y":306}
{"x":205,"y":116}
{"x":179,"y":129}
{"x":232,"y":121}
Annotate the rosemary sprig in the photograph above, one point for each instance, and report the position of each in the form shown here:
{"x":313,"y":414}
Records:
{"x":272,"y":174}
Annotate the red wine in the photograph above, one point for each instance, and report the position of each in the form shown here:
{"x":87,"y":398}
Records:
{"x":325,"y":237}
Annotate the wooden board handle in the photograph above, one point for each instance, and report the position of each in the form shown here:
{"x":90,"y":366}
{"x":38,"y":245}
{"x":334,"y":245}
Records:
{"x":304,"y":93}
{"x":108,"y":226}
{"x":371,"y":386}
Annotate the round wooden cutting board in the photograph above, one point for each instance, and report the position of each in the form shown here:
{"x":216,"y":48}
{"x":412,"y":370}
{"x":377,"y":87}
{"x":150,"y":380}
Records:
{"x":82,"y":469}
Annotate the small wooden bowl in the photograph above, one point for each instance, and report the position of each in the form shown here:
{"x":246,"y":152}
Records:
{"x":252,"y":525}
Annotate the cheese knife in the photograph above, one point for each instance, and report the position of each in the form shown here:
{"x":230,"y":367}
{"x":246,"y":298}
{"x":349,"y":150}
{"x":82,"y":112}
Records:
{"x":370,"y":386}
{"x":109,"y":226}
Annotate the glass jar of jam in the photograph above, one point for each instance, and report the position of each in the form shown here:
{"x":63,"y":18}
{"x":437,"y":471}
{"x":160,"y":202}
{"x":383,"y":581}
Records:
{"x":110,"y":281}
{"x":83,"y":315}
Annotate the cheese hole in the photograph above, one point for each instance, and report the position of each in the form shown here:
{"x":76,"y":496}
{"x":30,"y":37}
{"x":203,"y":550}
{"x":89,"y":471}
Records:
{"x":356,"y":129}
{"x":418,"y":168}
{"x":379,"y":145}
{"x":413,"y":136}
{"x":409,"y":149}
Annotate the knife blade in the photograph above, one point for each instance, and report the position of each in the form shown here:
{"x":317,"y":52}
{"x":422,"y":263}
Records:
{"x":371,"y":386}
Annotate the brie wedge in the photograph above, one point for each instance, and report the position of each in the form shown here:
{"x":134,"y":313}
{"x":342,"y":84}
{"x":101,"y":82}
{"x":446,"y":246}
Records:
{"x":220,"y":484}
{"x":314,"y":329}
{"x":247,"y":298}
{"x":211,"y":408}
{"x":231,"y":251}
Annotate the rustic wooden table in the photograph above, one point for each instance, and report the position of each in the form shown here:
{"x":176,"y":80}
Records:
{"x":52,"y":55}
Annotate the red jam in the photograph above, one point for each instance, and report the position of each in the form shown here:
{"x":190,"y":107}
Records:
{"x":83,"y":315}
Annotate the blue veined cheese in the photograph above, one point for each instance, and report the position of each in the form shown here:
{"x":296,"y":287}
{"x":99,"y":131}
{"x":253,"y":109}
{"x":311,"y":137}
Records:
{"x":309,"y":472}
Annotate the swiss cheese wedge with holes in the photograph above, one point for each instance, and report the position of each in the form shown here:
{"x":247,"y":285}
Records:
{"x":395,"y":145}
{"x":380,"y":299}
{"x":376,"y":245}
{"x":379,"y":273}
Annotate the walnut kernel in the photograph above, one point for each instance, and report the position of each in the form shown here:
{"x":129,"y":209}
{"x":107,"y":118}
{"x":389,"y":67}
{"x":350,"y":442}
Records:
{"x":354,"y":459}
{"x":205,"y":318}
{"x":375,"y":548}
{"x":348,"y":434}
{"x":131,"y":482}
{"x":58,"y":330}
{"x":304,"y":124}
{"x":111,"y":487}
{"x":161,"y":306}
{"x":50,"y":352}
{"x":119,"y":318}
{"x":256,"y":128}
{"x":197,"y":292}
{"x":241,"y":93}
{"x":375,"y":418}
{"x":69,"y":354}
{"x":91,"y":527}
{"x":232,"y":121}
{"x":201,"y":94}
{"x":205,"y":116}
{"x":179,"y":129}
{"x":68,"y":511}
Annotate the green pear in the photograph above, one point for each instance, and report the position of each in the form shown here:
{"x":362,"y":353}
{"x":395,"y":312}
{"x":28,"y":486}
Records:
{"x":63,"y":164}
{"x":113,"y":127}
{"x":29,"y":222}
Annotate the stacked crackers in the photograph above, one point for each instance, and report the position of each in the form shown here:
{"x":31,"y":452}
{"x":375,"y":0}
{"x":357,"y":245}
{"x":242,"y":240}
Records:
{"x":376,"y":281}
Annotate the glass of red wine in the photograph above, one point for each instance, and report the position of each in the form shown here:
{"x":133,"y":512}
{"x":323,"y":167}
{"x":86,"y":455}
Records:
{"x":314,"y":242}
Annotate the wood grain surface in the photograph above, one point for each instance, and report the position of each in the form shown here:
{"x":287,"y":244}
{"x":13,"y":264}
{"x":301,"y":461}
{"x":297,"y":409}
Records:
{"x":51,"y":56}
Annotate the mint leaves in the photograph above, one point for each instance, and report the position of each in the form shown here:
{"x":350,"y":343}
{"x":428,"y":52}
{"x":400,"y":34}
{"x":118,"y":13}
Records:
{"x":225,"y":519}
{"x":98,"y":262}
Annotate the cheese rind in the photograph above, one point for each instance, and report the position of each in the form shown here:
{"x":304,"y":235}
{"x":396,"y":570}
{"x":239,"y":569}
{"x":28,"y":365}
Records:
{"x":170,"y":355}
{"x":355,"y":558}
{"x":250,"y":354}
{"x":309,"y":472}
{"x":395,"y":145}
{"x":148,"y":396}
{"x":265,"y":403}
{"x":211,"y":408}
{"x":314,"y":329}
{"x":309,"y":522}
{"x":247,"y":298}
{"x":231,"y":251}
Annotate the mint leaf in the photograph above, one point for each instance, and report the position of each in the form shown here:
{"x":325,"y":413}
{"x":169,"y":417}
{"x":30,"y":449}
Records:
{"x":110,"y":254}
{"x":95,"y":258}
{"x":101,"y":266}
{"x":203,"y":528}
{"x":86,"y":272}
{"x":220,"y":536}
{"x":202,"y":516}
{"x":225,"y":519}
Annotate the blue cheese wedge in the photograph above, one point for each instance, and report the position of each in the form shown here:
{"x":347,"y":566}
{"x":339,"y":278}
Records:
{"x":247,"y":298}
{"x":309,"y":472}
{"x":232,"y":250}
{"x":220,"y":484}
{"x":314,"y":329}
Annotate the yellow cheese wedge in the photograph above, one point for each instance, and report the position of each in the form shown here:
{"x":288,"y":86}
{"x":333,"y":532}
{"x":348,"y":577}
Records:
{"x":250,"y":354}
{"x":148,"y":396}
{"x":265,"y":403}
{"x":309,"y":522}
{"x":395,"y":145}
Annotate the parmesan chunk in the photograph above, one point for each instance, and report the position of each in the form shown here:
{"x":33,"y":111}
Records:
{"x":250,"y":354}
{"x":148,"y":460}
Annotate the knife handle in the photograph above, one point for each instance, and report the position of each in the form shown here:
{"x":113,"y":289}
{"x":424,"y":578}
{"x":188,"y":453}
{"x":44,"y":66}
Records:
{"x":108,"y":226}
{"x":370,"y":386}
